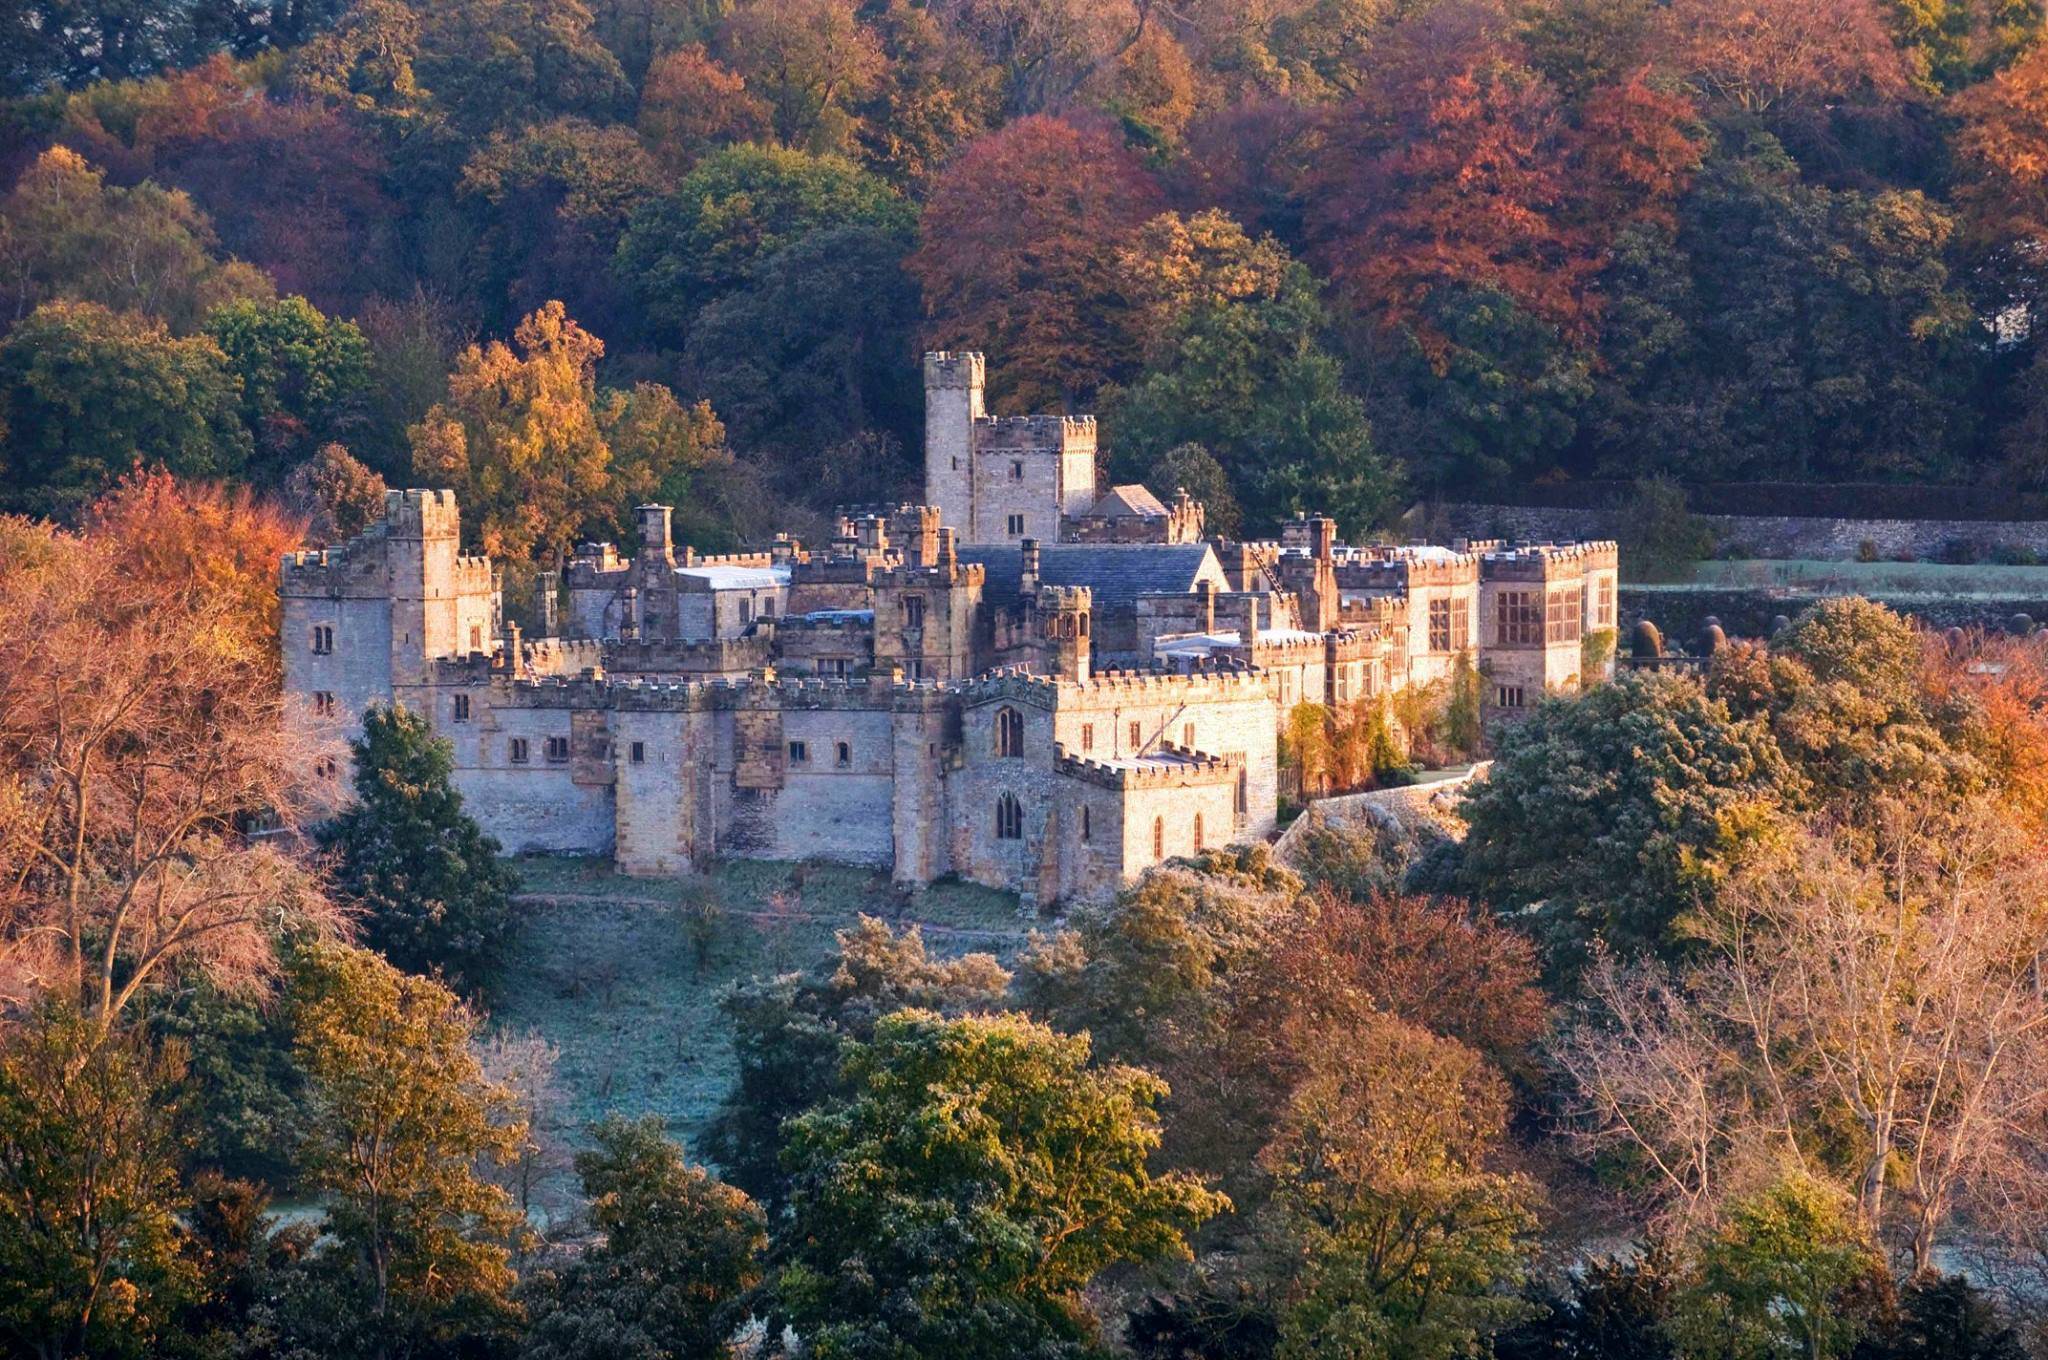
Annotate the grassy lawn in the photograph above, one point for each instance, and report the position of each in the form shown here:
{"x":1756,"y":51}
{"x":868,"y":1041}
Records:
{"x":1900,"y":579}
{"x":609,"y":970}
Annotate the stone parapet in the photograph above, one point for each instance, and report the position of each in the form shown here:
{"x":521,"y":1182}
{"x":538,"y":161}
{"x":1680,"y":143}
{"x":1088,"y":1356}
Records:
{"x":1180,"y":768}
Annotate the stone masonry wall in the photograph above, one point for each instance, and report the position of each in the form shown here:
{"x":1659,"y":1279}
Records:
{"x":1775,"y":536}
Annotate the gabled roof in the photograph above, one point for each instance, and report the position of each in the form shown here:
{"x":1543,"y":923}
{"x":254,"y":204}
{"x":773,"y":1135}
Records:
{"x":1130,"y":501}
{"x":1117,"y":573}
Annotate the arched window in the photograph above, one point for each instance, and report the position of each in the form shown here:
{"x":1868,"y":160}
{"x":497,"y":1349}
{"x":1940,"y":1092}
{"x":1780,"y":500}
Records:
{"x":1009,"y":818}
{"x":1198,"y":833}
{"x":1159,"y":838}
{"x":1009,"y":732}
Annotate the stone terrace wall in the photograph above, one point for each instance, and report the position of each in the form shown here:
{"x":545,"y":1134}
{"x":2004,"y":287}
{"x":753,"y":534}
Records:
{"x":1401,"y":807}
{"x":1772,"y":536}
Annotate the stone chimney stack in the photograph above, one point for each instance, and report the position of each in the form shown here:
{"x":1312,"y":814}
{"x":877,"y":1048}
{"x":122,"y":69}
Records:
{"x":515,"y":651}
{"x":1205,"y":601}
{"x":874,"y":533}
{"x":948,"y":553}
{"x":1248,"y":619}
{"x":656,"y":543}
{"x":1027,"y":581}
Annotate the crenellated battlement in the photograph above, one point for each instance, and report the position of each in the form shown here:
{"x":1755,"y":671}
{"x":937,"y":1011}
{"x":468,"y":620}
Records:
{"x":1027,"y":434}
{"x":1174,"y":767}
{"x":949,"y":369}
{"x":1547,"y":561}
{"x":421,"y":513}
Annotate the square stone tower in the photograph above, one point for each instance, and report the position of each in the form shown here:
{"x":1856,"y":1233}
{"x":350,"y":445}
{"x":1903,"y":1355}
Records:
{"x":1000,"y":479}
{"x":952,"y":407}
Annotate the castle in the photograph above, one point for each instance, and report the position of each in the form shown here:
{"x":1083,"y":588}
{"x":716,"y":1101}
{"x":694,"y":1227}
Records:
{"x":1021,"y":682}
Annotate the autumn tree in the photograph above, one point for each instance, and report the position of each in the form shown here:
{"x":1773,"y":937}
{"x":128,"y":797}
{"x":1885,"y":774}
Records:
{"x":690,"y":104}
{"x":1862,"y":1001}
{"x":790,"y":1033}
{"x":92,"y":1258}
{"x":400,"y":1115}
{"x":1755,"y":56}
{"x":518,"y":436}
{"x":65,"y":233}
{"x":132,"y":779}
{"x":1392,"y":1234}
{"x":1047,"y":50}
{"x":810,"y":61}
{"x":1460,"y":165}
{"x":334,"y":494}
{"x":432,"y":894}
{"x":1046,"y":1153}
{"x":935,"y":93}
{"x":1018,"y":258}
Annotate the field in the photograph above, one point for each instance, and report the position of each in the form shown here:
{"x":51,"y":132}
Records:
{"x":1900,"y":580}
{"x":624,"y":978}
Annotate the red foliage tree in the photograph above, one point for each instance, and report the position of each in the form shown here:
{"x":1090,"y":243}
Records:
{"x":1459,"y":165}
{"x":1019,"y":251}
{"x":1759,"y":53}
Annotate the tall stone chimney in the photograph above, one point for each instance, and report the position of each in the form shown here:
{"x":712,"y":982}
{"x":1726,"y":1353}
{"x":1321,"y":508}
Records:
{"x":1027,"y":555}
{"x":655,"y":538}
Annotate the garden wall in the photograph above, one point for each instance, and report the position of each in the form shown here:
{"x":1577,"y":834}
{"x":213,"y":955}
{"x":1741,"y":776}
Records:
{"x":1774,"y":536}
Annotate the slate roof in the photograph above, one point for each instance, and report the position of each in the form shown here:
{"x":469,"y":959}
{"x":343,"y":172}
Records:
{"x":1117,"y":573}
{"x":1130,"y":501}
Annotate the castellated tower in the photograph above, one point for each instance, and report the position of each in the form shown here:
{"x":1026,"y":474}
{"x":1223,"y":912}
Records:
{"x":952,"y":406}
{"x":1000,"y":479}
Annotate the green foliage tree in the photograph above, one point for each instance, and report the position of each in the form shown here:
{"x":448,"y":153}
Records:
{"x":498,"y":63}
{"x":1143,"y":967}
{"x":1239,"y":368}
{"x":979,"y":1175}
{"x":551,"y":202}
{"x":813,"y":349}
{"x":66,"y":234}
{"x":305,"y":379}
{"x":1494,"y":394}
{"x":1659,"y":538}
{"x":85,"y":393}
{"x":1193,"y":469}
{"x":737,"y":207}
{"x":399,"y":1120}
{"x":434,"y":896}
{"x":1820,"y":330}
{"x":243,"y":1087}
{"x":1394,"y":1237}
{"x":1619,"y":811}
{"x":791,"y":1032}
{"x":91,"y":1253}
{"x":1788,"y":1274}
{"x":678,"y":1254}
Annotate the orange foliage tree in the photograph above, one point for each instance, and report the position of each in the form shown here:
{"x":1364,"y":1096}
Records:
{"x":142,"y":739}
{"x":690,"y":104}
{"x":2002,"y":149}
{"x":1019,"y":257}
